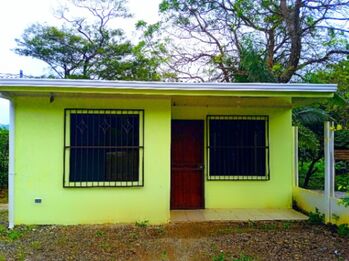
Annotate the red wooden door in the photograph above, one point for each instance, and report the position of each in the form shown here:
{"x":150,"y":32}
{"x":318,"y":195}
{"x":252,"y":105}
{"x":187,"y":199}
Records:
{"x":187,"y":181}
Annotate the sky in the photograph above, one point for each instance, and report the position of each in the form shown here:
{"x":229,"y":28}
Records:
{"x":16,"y":15}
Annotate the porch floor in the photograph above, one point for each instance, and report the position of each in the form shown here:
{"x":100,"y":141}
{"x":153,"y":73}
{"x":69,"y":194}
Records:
{"x":236,"y":214}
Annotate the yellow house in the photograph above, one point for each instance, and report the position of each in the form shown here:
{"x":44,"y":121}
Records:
{"x":84,"y":151}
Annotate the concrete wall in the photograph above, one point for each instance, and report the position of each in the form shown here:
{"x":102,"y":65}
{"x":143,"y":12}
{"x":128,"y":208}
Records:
{"x":275,"y":193}
{"x":309,"y":200}
{"x":39,"y":166}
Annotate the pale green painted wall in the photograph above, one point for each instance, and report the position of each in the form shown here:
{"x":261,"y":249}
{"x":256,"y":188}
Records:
{"x":39,"y":156}
{"x":275,"y":193}
{"x":39,"y":167}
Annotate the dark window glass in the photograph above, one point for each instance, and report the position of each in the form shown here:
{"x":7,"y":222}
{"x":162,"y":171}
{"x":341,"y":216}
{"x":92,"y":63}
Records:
{"x":237,"y":147}
{"x":104,"y":147}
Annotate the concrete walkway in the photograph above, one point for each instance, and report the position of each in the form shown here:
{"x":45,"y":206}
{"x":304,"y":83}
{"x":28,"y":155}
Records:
{"x":235,"y":215}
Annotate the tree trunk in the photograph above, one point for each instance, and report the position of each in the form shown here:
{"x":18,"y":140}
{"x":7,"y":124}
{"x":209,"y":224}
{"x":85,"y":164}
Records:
{"x":291,"y":18}
{"x":271,"y":46}
{"x":310,"y":172}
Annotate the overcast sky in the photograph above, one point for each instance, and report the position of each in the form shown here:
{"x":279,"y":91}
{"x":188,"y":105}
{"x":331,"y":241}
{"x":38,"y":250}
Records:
{"x":16,"y":15}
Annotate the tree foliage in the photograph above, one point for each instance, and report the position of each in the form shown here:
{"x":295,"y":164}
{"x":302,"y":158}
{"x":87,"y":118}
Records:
{"x":337,"y":73}
{"x":209,"y":37}
{"x":4,"y":139}
{"x":252,"y":66}
{"x":86,"y":47}
{"x":337,"y":110}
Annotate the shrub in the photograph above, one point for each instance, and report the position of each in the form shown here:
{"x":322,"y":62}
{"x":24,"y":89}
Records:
{"x":316,"y":217}
{"x":3,"y":157}
{"x":142,"y":223}
{"x":14,"y":234}
{"x":343,"y":230}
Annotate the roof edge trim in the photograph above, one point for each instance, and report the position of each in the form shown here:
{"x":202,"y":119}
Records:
{"x":208,"y":86}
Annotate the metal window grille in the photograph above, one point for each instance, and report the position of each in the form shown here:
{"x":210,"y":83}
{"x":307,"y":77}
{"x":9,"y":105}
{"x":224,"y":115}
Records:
{"x":103,"y":148}
{"x":237,"y":147}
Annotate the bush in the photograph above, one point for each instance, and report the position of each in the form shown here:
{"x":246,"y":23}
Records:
{"x":316,"y":217}
{"x":343,"y":230}
{"x":4,"y":138}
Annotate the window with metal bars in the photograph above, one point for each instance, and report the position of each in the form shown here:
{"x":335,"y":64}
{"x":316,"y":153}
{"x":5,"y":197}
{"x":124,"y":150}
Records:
{"x":237,"y":147}
{"x":103,"y":148}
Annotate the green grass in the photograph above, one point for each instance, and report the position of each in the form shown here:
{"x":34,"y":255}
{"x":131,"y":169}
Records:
{"x":243,"y":257}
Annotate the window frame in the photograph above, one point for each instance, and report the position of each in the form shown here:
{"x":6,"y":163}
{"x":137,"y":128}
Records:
{"x":66,"y":149}
{"x":266,"y":177}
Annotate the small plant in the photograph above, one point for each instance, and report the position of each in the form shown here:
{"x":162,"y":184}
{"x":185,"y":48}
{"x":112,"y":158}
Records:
{"x":316,"y":217}
{"x":160,"y":230}
{"x":20,"y":255}
{"x":243,"y":257}
{"x":286,"y":225}
{"x":14,"y":234}
{"x":36,"y":245}
{"x":164,"y":255}
{"x":219,"y":257}
{"x":100,"y":233}
{"x":142,"y":224}
{"x":269,"y":226}
{"x":252,"y":224}
{"x":343,"y":230}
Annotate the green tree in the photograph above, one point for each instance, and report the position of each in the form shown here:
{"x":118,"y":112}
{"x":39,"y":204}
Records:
{"x":209,"y":36}
{"x":4,"y":139}
{"x":337,"y":73}
{"x":86,"y":47}
{"x":140,"y":65}
{"x":252,"y":66}
{"x":337,"y":110}
{"x":62,"y":49}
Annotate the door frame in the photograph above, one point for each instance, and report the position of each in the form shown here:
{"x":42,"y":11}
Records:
{"x":203,"y":171}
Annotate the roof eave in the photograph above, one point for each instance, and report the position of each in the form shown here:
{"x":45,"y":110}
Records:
{"x":8,"y":86}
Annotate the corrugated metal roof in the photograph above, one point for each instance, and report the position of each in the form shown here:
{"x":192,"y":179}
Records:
{"x":216,"y":86}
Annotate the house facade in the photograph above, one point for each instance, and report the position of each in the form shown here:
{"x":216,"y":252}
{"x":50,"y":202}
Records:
{"x":88,"y":152}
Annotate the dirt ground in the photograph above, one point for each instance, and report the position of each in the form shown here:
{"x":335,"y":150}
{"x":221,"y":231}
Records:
{"x":183,"y":241}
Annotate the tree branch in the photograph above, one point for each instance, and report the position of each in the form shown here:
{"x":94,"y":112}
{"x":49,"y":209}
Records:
{"x":324,"y":58}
